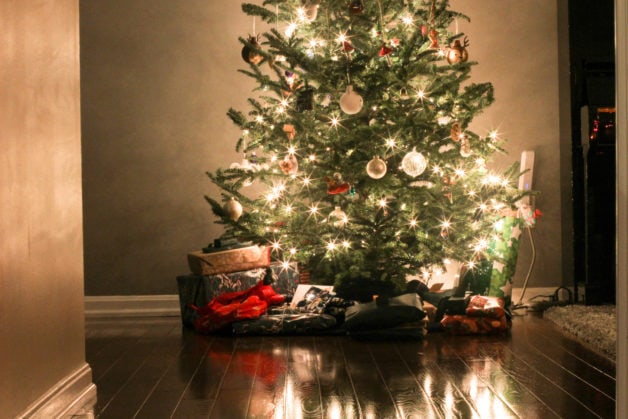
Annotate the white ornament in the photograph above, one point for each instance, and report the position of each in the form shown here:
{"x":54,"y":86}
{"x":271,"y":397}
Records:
{"x":465,"y":147}
{"x":338,"y":217}
{"x":376,"y":168}
{"x":413,"y":163}
{"x":351,"y":102}
{"x":233,"y":209}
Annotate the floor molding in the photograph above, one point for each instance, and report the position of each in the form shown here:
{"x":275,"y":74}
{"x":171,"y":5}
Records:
{"x":73,"y":396}
{"x":132,"y":305}
{"x":168,"y":305}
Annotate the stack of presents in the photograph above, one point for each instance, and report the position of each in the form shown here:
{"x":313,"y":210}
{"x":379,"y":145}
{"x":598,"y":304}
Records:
{"x":235,"y":289}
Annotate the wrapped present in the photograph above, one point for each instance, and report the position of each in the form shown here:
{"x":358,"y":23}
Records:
{"x":461,"y":324}
{"x":198,"y":290}
{"x":481,"y":306}
{"x":227,"y":261}
{"x":483,"y":315}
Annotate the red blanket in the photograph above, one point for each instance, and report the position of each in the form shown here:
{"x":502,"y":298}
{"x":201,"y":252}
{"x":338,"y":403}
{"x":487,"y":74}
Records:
{"x":234,"y":306}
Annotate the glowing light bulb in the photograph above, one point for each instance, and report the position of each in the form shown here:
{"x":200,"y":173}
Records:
{"x":334,"y":121}
{"x":460,"y":172}
{"x":306,"y":181}
{"x":341,"y":38}
{"x":346,"y":244}
{"x":312,"y":157}
{"x":313,"y":209}
{"x":293,"y":251}
{"x":391,"y":143}
{"x":259,"y":119}
{"x":407,"y":20}
{"x":291,"y":150}
{"x":331,"y":246}
{"x":290,"y":29}
{"x":413,"y":223}
{"x":288,"y":209}
{"x":383,"y":202}
{"x":285,"y":264}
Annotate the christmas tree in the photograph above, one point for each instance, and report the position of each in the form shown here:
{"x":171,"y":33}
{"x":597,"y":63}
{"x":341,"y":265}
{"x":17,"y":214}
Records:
{"x":358,"y":159}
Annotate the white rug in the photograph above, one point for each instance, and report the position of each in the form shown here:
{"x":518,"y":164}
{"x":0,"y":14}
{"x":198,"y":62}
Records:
{"x":595,"y":325}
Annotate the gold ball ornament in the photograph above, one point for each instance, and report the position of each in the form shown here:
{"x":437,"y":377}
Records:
{"x":248,"y":52}
{"x":457,"y":53}
{"x":351,"y":102}
{"x":376,"y":168}
{"x":413,"y":163}
{"x":310,"y":9}
{"x":233,"y":209}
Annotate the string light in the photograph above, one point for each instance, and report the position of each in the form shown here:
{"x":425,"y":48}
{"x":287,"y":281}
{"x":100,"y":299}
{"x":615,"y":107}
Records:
{"x":407,"y":20}
{"x":346,"y":244}
{"x":331,"y":246}
{"x":290,"y":29}
{"x":383,"y":202}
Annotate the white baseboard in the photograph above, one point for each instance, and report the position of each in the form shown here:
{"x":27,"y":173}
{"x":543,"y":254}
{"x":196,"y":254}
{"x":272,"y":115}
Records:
{"x":168,"y":305}
{"x":132,"y":306}
{"x":74,"y":396}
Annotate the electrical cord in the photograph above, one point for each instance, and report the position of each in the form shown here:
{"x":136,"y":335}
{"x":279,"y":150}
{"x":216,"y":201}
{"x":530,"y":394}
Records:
{"x":525,"y":282}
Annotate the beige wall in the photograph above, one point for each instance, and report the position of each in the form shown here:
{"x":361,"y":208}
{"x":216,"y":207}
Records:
{"x":522,"y":49}
{"x":41,"y":266}
{"x":158,"y":77}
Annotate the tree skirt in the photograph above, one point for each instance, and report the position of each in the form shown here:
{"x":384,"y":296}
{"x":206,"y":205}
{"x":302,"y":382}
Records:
{"x":595,"y":325}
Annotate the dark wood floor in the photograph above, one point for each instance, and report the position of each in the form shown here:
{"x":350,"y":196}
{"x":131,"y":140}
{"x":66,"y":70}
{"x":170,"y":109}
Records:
{"x":154,"y":368}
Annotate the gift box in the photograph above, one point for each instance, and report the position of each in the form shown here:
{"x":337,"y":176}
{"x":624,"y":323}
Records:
{"x":199,"y":290}
{"x":227,"y":261}
{"x":483,"y":315}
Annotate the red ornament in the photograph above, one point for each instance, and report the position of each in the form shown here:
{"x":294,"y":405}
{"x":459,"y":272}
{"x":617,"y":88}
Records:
{"x":385,"y":50}
{"x":423,"y":30}
{"x":335,"y":187}
{"x":347,"y":47}
{"x":433,"y":35}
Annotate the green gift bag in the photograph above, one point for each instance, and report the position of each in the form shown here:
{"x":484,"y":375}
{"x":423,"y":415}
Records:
{"x":504,"y":250}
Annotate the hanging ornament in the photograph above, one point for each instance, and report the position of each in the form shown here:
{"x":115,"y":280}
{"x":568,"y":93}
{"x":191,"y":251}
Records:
{"x":347,"y":47}
{"x":335,"y":185}
{"x":352,"y":191}
{"x":310,"y":8}
{"x":444,"y":233}
{"x":457,"y":53}
{"x":433,"y":35}
{"x":351,"y":102}
{"x":423,"y":30}
{"x":232,"y":209}
{"x":289,"y":130}
{"x":465,"y":147}
{"x":249,"y":53}
{"x":289,"y":165}
{"x":413,"y":163}
{"x":376,"y":168}
{"x":356,"y":7}
{"x":456,"y":131}
{"x":385,"y":52}
{"x":444,"y":120}
{"x":305,"y":99}
{"x":338,"y":217}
